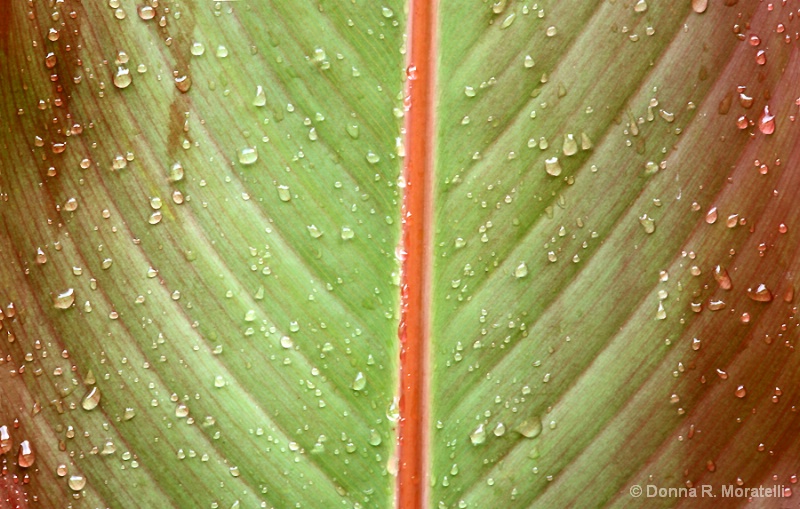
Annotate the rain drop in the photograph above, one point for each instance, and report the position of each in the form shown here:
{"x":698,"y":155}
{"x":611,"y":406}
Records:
{"x":248,"y":155}
{"x":91,"y":400}
{"x":65,"y":299}
{"x":478,"y":435}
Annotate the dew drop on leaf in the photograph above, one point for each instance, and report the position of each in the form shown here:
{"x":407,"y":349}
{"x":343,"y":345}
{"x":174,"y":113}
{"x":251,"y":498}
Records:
{"x":197,"y":48}
{"x":766,"y":123}
{"x":65,"y":299}
{"x":76,"y":482}
{"x":284,"y":193}
{"x":5,"y":440}
{"x":347,"y":233}
{"x":146,"y":12}
{"x":359,"y":382}
{"x":740,"y":391}
{"x":122,"y":78}
{"x":552,"y":166}
{"x":372,"y":157}
{"x":25,"y":456}
{"x":760,"y":294}
{"x":91,"y":400}
{"x":478,"y":435}
{"x":722,"y":278}
{"x":261,"y":98}
{"x":647,"y":223}
{"x":699,"y":6}
{"x":640,"y":6}
{"x":521,"y":270}
{"x":248,"y":155}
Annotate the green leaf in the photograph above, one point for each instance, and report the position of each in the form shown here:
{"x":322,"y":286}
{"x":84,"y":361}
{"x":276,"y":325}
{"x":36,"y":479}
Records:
{"x":238,"y":322}
{"x":202,"y":229}
{"x":576,"y":347}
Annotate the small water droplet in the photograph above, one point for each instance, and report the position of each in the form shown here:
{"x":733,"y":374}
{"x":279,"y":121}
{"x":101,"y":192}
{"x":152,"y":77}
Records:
{"x":222,"y":51}
{"x":284,"y":193}
{"x":352,"y":130}
{"x":347,"y":233}
{"x":711,"y":215}
{"x":314,"y":231}
{"x":521,"y":270}
{"x":740,"y":391}
{"x":640,"y":6}
{"x":286,"y":342}
{"x":183,"y":83}
{"x":372,"y":157}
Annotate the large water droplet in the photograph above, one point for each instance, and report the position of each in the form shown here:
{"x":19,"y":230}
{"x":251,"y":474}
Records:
{"x":260,"y":98}
{"x":360,"y":382}
{"x":91,"y":400}
{"x":722,"y":277}
{"x":248,"y":155}
{"x":5,"y":440}
{"x":478,"y":435}
{"x":65,"y":299}
{"x":530,"y":428}
{"x":76,"y":482}
{"x":122,"y":78}
{"x":766,"y":123}
{"x":26,"y":456}
{"x":760,"y":294}
{"x":552,"y":166}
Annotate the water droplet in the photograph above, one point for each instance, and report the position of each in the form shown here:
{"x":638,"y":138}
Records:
{"x":722,"y":278}
{"x":521,"y":270}
{"x":499,"y":430}
{"x":741,"y":391}
{"x":760,"y":294}
{"x":122,"y":78}
{"x":552,"y":166}
{"x":284,"y":193}
{"x":65,"y":299}
{"x":347,"y":233}
{"x":76,"y":482}
{"x":586,"y":142}
{"x":261,"y":97}
{"x":26,"y":456}
{"x":372,"y":157}
{"x":5,"y":440}
{"x":387,"y":12}
{"x":699,"y":6}
{"x":314,"y":231}
{"x":219,"y":381}
{"x":360,"y":382}
{"x":711,"y":215}
{"x":647,"y":223}
{"x":478,"y":435}
{"x":374,"y":438}
{"x":352,"y":130}
{"x":183,"y":83}
{"x":91,"y":400}
{"x":197,"y":48}
{"x":551,"y":31}
{"x":250,"y":315}
{"x":286,"y":342}
{"x":640,"y":6}
{"x":766,"y":123}
{"x":529,"y":62}
{"x":570,"y":146}
{"x":146,"y":12}
{"x":181,"y":411}
{"x":661,"y":313}
{"x":508,"y":21}
{"x":248,"y":155}
{"x":176,"y":172}
{"x":222,"y":51}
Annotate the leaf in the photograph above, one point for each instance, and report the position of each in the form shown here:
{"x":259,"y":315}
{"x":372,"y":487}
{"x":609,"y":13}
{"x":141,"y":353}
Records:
{"x":200,"y":235}
{"x":236,"y":316}
{"x":577,"y":350}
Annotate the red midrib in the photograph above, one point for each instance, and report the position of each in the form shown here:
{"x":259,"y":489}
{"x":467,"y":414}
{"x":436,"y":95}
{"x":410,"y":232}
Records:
{"x":415,"y":303}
